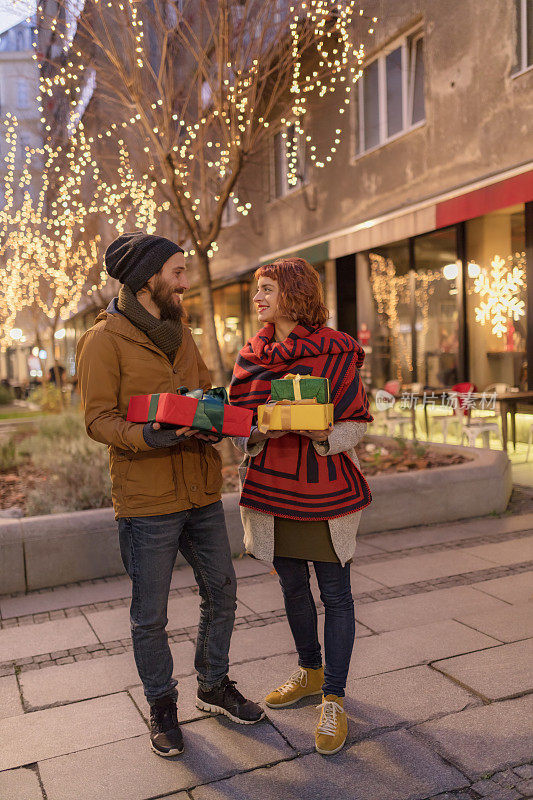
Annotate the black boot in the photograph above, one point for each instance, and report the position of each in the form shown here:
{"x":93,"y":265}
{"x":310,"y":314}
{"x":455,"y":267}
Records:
{"x":226,"y":699}
{"x":165,"y":735}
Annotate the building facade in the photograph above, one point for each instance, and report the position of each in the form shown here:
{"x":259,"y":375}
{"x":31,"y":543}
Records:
{"x":431,"y":184}
{"x":421,"y":227}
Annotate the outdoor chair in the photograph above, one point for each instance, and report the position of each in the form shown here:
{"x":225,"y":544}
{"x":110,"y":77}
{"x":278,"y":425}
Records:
{"x":529,"y":441}
{"x":471,"y":432}
{"x":498,"y":388}
{"x":484,"y":426}
{"x":459,"y":411}
{"x":388,"y":420}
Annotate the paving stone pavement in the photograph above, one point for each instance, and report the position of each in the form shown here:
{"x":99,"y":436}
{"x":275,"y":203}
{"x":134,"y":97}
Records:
{"x":439,"y":696}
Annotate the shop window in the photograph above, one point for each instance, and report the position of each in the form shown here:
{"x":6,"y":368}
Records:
{"x":288,"y":158}
{"x":524,"y":35}
{"x":497,"y":298}
{"x":391,"y":93}
{"x":384,"y":313}
{"x":407,"y":311}
{"x":193,"y":307}
{"x":229,"y":321}
{"x":437,"y":282}
{"x":23,"y":93}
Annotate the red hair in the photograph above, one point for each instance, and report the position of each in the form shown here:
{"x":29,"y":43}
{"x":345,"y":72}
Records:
{"x":301,"y":296}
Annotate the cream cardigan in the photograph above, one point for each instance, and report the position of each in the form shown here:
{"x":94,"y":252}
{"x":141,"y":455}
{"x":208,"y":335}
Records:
{"x":259,"y":527}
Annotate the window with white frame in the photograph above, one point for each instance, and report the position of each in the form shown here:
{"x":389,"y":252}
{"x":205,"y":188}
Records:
{"x":73,"y":10}
{"x":230,"y":215}
{"x":288,"y":159}
{"x":524,"y":35}
{"x":23,"y":93}
{"x":391,"y":93}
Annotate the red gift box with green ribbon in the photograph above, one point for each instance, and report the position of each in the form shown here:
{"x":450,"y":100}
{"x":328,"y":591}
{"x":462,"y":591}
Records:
{"x":206,"y":411}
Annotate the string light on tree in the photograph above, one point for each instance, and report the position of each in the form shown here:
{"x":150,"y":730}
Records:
{"x":189,"y":130}
{"x":48,"y":246}
{"x":389,"y":291}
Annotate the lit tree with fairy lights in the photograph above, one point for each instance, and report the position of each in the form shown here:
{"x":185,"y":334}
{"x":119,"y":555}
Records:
{"x":49,"y":246}
{"x":191,"y":92}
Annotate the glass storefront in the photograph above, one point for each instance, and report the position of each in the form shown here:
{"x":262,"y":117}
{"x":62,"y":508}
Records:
{"x":436,"y":301}
{"x":496,"y":303}
{"x":231,"y":320}
{"x":384,"y":313}
{"x":407,"y":310}
{"x":410,"y":312}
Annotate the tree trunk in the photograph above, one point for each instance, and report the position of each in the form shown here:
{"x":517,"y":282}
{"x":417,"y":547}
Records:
{"x":215,"y":363}
{"x":214,"y":359}
{"x":55,"y":367}
{"x":39,"y":344}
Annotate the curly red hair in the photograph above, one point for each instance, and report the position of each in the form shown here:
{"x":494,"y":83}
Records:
{"x":301,"y":296}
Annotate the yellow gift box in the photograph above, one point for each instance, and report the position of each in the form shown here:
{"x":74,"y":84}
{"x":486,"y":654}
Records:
{"x":295,"y":415}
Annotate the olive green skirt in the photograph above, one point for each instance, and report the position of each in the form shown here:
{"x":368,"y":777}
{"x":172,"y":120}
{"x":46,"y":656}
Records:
{"x":311,"y":541}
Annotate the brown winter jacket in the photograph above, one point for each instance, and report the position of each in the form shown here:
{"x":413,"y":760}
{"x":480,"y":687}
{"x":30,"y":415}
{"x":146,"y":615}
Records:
{"x":116,"y":360}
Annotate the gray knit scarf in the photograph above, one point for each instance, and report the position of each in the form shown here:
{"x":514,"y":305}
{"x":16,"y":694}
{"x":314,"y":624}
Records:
{"x":166,"y":334}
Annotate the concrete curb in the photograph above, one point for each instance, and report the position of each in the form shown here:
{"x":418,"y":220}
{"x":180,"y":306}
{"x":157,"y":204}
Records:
{"x":56,"y":549}
{"x":53,"y":550}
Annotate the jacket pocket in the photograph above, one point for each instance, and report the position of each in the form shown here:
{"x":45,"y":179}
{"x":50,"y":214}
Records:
{"x":149,"y":480}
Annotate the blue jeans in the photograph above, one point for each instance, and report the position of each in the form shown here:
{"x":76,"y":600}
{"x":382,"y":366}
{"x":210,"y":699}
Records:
{"x":149,"y":546}
{"x":339,"y":626}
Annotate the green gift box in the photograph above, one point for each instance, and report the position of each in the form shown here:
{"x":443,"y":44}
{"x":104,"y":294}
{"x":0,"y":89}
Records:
{"x":301,"y":387}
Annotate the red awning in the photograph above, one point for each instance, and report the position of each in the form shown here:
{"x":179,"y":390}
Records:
{"x":482,"y":201}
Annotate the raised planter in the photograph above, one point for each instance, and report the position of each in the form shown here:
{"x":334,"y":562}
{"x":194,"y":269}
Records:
{"x":480,"y":486}
{"x":40,"y":552}
{"x":52,"y":550}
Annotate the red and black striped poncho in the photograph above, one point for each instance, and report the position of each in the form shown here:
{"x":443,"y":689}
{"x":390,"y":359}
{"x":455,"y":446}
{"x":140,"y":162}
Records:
{"x":288,"y":478}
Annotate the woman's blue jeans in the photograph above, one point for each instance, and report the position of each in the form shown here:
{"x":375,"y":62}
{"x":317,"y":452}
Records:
{"x":149,"y":546}
{"x":339,"y":625}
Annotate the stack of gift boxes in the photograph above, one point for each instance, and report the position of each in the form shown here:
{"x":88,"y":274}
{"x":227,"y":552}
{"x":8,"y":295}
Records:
{"x":206,"y":411}
{"x":298,"y":403}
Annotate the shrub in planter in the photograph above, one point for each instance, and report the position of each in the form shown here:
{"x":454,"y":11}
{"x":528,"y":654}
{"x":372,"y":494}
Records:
{"x":52,"y":430}
{"x":6,"y":396}
{"x":9,"y":455}
{"x":76,"y":468}
{"x":47,"y":397}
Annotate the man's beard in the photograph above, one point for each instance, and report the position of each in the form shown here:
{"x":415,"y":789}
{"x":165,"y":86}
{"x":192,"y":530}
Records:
{"x":163,"y":296}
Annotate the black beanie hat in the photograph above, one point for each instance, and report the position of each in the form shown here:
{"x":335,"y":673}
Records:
{"x":134,"y":257}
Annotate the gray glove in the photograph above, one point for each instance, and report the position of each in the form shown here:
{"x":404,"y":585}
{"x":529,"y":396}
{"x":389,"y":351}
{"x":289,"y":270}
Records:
{"x":164,"y":437}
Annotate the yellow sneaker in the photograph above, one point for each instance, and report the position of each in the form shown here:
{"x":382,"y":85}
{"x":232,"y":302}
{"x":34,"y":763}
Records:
{"x":332,"y":730}
{"x":302,"y":683}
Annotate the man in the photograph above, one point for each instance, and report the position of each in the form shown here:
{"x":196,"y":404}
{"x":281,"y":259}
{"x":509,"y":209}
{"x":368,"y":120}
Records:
{"x":165,"y":482}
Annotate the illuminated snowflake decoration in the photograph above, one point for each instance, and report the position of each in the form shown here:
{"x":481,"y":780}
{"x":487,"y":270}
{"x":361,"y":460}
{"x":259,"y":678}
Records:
{"x":499,"y":289}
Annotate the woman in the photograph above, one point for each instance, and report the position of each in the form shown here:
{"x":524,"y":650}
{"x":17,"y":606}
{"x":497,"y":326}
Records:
{"x":302,"y":491}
